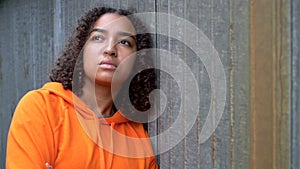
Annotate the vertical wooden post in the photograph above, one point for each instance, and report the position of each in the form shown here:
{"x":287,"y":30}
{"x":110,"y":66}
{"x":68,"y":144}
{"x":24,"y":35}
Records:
{"x":270,"y":83}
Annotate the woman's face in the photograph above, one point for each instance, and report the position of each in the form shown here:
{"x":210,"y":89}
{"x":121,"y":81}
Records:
{"x":111,"y":41}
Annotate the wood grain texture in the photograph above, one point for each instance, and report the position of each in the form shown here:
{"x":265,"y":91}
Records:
{"x":270,"y":84}
{"x":295,"y":85}
{"x":212,"y":18}
{"x":26,"y":55}
{"x":239,"y":93}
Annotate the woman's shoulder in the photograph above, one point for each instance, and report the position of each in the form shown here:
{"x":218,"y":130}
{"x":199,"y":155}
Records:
{"x":50,"y":90}
{"x":51,"y":97}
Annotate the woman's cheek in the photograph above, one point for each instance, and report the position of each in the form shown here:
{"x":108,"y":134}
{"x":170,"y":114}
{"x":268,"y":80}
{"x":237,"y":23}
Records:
{"x":124,"y":69}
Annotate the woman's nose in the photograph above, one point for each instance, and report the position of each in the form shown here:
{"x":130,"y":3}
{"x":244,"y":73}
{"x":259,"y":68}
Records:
{"x":110,"y":50}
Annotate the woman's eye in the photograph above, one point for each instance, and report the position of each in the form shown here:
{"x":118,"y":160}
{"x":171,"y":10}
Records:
{"x":125,"y":42}
{"x":98,"y":38}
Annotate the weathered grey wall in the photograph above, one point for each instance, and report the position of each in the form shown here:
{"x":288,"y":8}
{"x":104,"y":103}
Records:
{"x":295,"y":94}
{"x":33,"y":32}
{"x":214,"y":19}
{"x":26,"y":53}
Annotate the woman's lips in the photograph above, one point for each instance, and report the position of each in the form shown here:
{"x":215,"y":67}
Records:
{"x":107,"y":65}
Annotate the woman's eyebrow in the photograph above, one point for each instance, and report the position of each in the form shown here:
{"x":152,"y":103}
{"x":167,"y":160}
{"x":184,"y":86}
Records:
{"x":127,"y":34}
{"x":120,"y":33}
{"x":99,"y":30}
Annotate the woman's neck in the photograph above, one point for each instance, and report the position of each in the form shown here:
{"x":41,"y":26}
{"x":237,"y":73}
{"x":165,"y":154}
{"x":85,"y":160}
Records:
{"x":98,"y":98}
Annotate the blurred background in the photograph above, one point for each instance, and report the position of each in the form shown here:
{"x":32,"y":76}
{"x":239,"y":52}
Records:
{"x":258,"y":45}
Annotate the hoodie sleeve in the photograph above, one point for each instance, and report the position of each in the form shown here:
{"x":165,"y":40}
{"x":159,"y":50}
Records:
{"x":30,"y":141}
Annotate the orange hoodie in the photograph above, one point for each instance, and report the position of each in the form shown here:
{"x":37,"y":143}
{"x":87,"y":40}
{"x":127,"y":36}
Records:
{"x":53,"y":127}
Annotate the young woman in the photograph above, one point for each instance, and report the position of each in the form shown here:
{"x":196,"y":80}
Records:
{"x":72,"y":122}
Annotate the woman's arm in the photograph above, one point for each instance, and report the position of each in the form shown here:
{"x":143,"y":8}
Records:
{"x":30,"y":141}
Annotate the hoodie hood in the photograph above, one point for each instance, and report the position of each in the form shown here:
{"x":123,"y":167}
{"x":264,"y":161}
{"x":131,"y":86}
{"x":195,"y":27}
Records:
{"x":81,"y":108}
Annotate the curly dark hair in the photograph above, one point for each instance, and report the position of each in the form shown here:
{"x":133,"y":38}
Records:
{"x":64,"y":70}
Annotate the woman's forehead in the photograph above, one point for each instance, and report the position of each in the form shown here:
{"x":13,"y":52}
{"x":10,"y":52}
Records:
{"x":115,"y":22}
